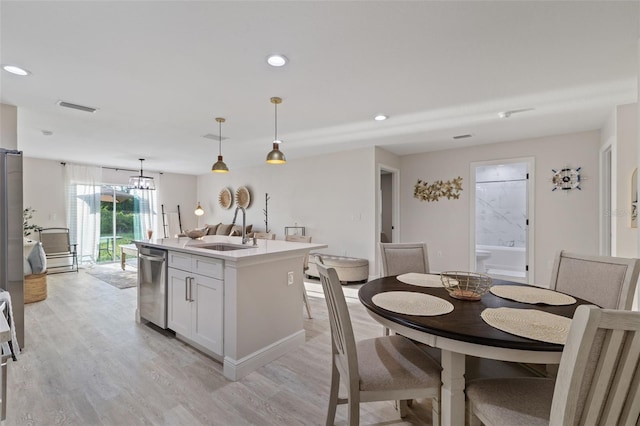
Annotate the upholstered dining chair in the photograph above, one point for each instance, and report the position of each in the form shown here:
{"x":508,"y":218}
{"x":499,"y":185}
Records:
{"x":264,"y":235}
{"x":379,"y":369}
{"x":305,"y":266}
{"x":401,"y":258}
{"x":598,"y":380}
{"x":609,"y":282}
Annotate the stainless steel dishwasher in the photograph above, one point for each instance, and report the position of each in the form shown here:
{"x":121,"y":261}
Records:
{"x":152,"y":285}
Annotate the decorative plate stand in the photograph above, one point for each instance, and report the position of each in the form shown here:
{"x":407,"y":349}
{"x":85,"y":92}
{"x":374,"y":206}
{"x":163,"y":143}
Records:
{"x":225,"y":198}
{"x":243,"y":197}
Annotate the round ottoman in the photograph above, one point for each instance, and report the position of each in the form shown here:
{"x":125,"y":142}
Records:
{"x":35,"y":287}
{"x":349,"y":269}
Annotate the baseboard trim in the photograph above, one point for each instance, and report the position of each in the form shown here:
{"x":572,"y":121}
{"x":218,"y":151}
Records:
{"x":236,"y":369}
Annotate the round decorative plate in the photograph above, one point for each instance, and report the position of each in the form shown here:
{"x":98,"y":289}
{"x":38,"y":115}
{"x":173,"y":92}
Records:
{"x":243,"y":198}
{"x":225,"y":198}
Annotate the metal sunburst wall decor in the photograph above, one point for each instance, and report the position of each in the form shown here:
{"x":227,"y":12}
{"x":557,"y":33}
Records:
{"x":566,"y":179}
{"x":450,"y":189}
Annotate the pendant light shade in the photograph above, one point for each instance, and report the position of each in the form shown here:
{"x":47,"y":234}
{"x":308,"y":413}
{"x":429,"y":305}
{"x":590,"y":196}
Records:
{"x":219,"y":166}
{"x":199,"y":210}
{"x":142,"y":181}
{"x":276,"y":156}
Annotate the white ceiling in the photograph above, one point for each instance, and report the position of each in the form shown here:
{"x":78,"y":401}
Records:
{"x":160,"y":72}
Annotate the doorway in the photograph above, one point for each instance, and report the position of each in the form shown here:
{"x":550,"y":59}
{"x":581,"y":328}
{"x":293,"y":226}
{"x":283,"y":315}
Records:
{"x":388,"y":210}
{"x":116,"y":221}
{"x":502,"y":219}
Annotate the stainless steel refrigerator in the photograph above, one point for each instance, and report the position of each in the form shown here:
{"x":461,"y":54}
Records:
{"x":11,"y":235}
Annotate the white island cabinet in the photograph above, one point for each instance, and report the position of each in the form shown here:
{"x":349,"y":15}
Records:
{"x":240,"y":304}
{"x":195,"y":300}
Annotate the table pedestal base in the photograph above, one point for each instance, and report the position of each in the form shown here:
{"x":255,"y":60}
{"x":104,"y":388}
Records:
{"x":452,"y":392}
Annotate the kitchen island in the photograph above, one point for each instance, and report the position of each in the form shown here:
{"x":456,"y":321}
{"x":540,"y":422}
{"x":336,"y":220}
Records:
{"x":240,"y":304}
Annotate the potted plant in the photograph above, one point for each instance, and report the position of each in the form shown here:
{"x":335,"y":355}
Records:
{"x":27,"y":214}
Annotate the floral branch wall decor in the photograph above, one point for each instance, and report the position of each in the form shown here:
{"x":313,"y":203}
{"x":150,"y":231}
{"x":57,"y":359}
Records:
{"x":450,"y":189}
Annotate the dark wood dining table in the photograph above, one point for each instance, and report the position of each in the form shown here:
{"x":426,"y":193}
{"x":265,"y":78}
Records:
{"x":463,"y":332}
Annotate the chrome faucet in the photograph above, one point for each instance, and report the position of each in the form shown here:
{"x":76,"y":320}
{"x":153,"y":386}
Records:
{"x":245,"y":240}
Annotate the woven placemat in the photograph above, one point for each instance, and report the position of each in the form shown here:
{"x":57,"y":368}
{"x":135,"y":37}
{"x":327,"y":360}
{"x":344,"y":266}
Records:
{"x":422,"y":280}
{"x":411,"y":303}
{"x":529,"y":323}
{"x":530,"y":294}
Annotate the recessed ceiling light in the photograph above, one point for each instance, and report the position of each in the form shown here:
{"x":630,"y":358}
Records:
{"x":380,"y":117}
{"x":277,"y":60}
{"x":14,"y":69}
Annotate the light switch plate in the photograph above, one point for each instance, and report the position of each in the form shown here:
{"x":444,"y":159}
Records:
{"x":289,"y":277}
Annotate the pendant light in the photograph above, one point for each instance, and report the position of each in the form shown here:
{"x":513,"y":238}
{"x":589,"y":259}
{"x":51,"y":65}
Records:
{"x":199,"y":210}
{"x":219,"y":166}
{"x":276,"y":156}
{"x":142,"y":182}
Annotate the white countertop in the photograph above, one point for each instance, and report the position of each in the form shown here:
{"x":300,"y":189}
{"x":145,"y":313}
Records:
{"x":194,"y":246}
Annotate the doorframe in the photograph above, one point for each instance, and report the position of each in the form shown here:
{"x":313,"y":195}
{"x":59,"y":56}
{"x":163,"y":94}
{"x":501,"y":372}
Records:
{"x":395,"y":208}
{"x":608,"y":220}
{"x":530,"y":210}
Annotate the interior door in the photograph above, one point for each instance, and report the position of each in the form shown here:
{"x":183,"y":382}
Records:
{"x":502,"y":219}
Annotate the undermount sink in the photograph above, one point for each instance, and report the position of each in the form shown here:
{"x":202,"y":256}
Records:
{"x":223,"y":247}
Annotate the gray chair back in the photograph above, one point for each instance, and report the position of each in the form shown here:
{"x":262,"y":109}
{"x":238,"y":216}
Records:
{"x":609,"y":282}
{"x":401,"y":258}
{"x":264,"y":235}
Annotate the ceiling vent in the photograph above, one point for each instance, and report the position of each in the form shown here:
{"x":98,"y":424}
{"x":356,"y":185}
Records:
{"x":76,"y":106}
{"x":468,"y":135}
{"x":214,"y":137}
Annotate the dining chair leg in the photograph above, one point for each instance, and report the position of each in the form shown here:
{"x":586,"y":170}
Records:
{"x":305,"y":298}
{"x":472,"y":419}
{"x":333,"y":395}
{"x":402,"y":408}
{"x":354,"y":407}
{"x":435,"y":411}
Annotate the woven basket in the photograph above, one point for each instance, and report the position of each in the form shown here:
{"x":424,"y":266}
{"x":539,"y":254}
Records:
{"x":35,"y":287}
{"x":465,"y":285}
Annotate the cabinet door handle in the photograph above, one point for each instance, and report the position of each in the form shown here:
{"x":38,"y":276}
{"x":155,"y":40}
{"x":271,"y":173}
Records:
{"x":186,"y":289}
{"x":191,"y":289}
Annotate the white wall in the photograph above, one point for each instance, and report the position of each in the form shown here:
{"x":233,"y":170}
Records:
{"x":8,"y":126}
{"x":626,"y":162}
{"x":44,"y":190}
{"x":563,"y":219}
{"x":331,"y":195}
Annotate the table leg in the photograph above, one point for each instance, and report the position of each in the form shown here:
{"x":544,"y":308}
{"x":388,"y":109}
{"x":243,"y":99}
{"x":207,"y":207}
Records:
{"x":452,"y":397}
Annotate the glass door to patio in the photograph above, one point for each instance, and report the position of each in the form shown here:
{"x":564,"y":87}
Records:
{"x":116,"y":221}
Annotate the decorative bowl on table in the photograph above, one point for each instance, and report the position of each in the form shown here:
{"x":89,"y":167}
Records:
{"x":465,"y":285}
{"x":197,"y":233}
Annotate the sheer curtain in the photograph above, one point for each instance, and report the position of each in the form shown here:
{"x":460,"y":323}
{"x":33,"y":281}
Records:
{"x":145,"y":212}
{"x":83,"y":188}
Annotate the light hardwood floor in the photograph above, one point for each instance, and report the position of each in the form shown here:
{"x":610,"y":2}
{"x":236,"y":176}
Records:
{"x":87,"y":362}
